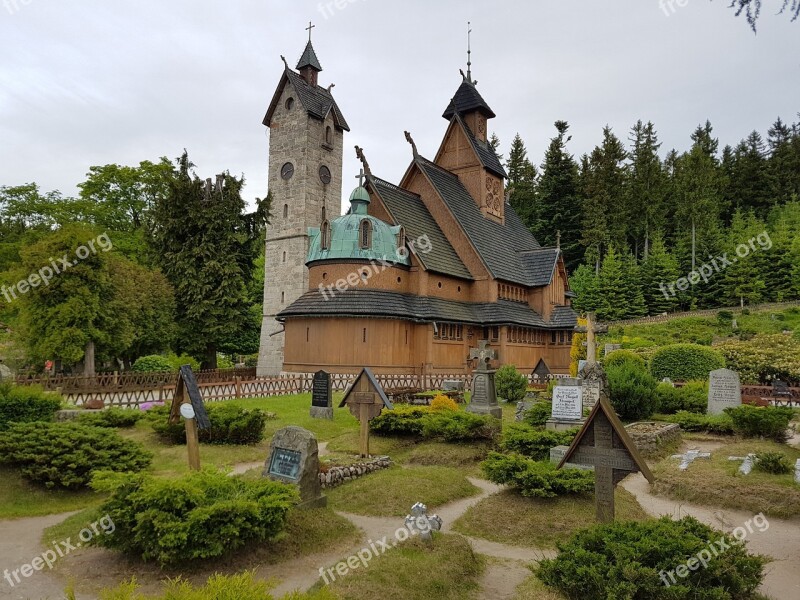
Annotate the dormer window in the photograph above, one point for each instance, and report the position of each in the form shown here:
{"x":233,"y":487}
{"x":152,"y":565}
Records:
{"x":366,"y":234}
{"x":325,"y":235}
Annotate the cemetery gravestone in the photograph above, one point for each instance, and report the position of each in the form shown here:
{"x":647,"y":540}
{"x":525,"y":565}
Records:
{"x":609,"y":348}
{"x":690,"y":456}
{"x":294,"y":458}
{"x":567,"y":411}
{"x":591,"y":392}
{"x":321,"y":396}
{"x":797,"y":471}
{"x":484,"y":394}
{"x":724,"y":391}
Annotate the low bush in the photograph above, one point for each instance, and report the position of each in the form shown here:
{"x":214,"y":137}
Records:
{"x":725,"y":317}
{"x":24,"y":404}
{"x":176,"y":362}
{"x":692,"y":397}
{"x":633,"y":391}
{"x":459,"y":426}
{"x":718,"y":424}
{"x":534,"y":443}
{"x":442,"y":402}
{"x":634,"y":560}
{"x":538,"y":414}
{"x":617,"y":358}
{"x":511,"y":384}
{"x":774,"y":463}
{"x":536,"y":479}
{"x":198,"y":516}
{"x":685,"y":362}
{"x":112,"y":417}
{"x":771,"y":422}
{"x":402,"y":421}
{"x":152,"y":364}
{"x":230,"y":424}
{"x":67,"y":454}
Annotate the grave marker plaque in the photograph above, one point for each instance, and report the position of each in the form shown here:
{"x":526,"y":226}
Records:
{"x":294,"y":458}
{"x":321,"y":396}
{"x":724,"y":391}
{"x":365,"y":399}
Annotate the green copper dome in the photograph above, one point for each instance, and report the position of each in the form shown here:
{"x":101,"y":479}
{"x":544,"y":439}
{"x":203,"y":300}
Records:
{"x":346,"y":235}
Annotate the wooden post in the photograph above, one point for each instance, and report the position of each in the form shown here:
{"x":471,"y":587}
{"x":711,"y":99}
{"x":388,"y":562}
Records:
{"x":192,"y":437}
{"x":364,"y":418}
{"x":591,"y":344}
{"x":238,"y":384}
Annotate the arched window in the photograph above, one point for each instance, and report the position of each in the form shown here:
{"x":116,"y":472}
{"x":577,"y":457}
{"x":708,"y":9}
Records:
{"x":366,"y":234}
{"x":289,"y":103}
{"x":325,"y":236}
{"x":401,"y":238}
{"x":285,"y":211}
{"x":329,"y":135}
{"x":323,"y":213}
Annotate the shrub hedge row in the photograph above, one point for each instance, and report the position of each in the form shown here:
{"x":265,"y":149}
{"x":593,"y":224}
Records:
{"x":230,"y":424}
{"x":421,"y":421}
{"x":534,"y":443}
{"x":536,"y":479}
{"x":685,"y":362}
{"x":25,"y":404}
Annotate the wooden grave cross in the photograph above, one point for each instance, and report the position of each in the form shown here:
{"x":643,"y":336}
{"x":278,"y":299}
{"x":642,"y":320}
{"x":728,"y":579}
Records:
{"x":591,"y":329}
{"x":366,"y":399}
{"x":188,"y":403}
{"x":603,"y":443}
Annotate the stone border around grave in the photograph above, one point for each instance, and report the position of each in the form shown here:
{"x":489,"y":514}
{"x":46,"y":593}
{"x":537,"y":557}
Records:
{"x":650,"y":442}
{"x":336,"y":476}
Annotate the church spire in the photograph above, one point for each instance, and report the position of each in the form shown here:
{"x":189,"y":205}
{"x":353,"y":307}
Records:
{"x":308,"y":65}
{"x":469,"y":51}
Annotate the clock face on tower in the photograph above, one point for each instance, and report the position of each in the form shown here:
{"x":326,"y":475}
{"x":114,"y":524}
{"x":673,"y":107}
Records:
{"x":287,"y":171}
{"x":325,"y":175}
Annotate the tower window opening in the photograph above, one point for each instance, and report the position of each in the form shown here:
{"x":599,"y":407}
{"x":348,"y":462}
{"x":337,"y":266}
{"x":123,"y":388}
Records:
{"x":325,"y":233}
{"x":329,"y":135}
{"x":289,"y":103}
{"x":285,"y":211}
{"x":366,"y":234}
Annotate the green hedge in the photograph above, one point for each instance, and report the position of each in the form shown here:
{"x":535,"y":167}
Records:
{"x":689,"y":421}
{"x":67,"y":454}
{"x":230,"y":424}
{"x":111,"y":417}
{"x":538,"y":414}
{"x":685,"y":362}
{"x":24,"y":404}
{"x":534,"y":443}
{"x":152,"y":364}
{"x":422,"y":422}
{"x":692,"y":397}
{"x":633,"y":560}
{"x":511,"y":384}
{"x":633,"y":391}
{"x":198,"y":516}
{"x":770,"y":422}
{"x":618,"y":358}
{"x":536,"y":479}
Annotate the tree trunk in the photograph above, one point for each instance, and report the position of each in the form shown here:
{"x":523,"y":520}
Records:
{"x":694,"y":246}
{"x":88,"y":359}
{"x":210,"y":360}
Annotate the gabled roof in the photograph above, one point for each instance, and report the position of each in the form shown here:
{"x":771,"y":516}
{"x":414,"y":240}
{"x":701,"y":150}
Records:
{"x":485,"y":152}
{"x":317,"y":101}
{"x":466,"y":100}
{"x":309,"y":59}
{"x":373,"y":383}
{"x":540,"y":265}
{"x":376,"y":303}
{"x":498,"y":245}
{"x":408,"y":209}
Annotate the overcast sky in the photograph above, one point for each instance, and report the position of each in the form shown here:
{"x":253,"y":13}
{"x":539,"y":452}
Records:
{"x":89,"y":82}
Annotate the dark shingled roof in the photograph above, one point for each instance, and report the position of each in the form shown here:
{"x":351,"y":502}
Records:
{"x":309,"y":58}
{"x":466,"y":100}
{"x":498,"y":245}
{"x":380,"y":303}
{"x":409,"y":210}
{"x":485,"y":152}
{"x":316,"y":100}
{"x":540,"y":265}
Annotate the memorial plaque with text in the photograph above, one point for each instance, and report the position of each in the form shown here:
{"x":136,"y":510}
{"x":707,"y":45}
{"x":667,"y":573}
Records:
{"x":724,"y":391}
{"x":567,"y":403}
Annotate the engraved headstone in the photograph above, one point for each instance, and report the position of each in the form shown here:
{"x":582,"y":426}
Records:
{"x":567,"y":410}
{"x":724,"y":391}
{"x":609,"y":348}
{"x":483,"y":400}
{"x":321,"y":396}
{"x":294,"y":458}
{"x":591,"y":392}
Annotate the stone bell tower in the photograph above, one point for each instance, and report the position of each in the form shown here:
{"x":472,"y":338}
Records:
{"x":305,"y":178}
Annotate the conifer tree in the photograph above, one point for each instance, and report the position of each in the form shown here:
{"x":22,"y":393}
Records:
{"x":646,"y":189}
{"x":611,"y":289}
{"x":658,"y":271}
{"x":634,"y":298}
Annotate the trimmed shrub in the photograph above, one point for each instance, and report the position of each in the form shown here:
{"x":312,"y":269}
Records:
{"x":230,"y":424}
{"x":67,"y":454}
{"x":24,"y":404}
{"x":619,"y":358}
{"x":112,"y":417}
{"x":442,"y":402}
{"x":538,"y":414}
{"x":685,"y":362}
{"x":718,"y":424}
{"x":770,"y":422}
{"x":511,"y":384}
{"x":632,"y":559}
{"x":633,"y":391}
{"x":764,"y":358}
{"x":536,"y":479}
{"x":200,"y":515}
{"x":176,"y":362}
{"x":692,"y":397}
{"x":534,"y":443}
{"x":402,"y":421}
{"x":774,"y":463}
{"x":152,"y":364}
{"x":459,"y":426}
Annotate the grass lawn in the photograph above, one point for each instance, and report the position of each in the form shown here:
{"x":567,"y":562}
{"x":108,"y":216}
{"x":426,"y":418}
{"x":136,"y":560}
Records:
{"x":448,"y":569}
{"x":510,"y":518}
{"x":20,"y":498}
{"x":392,"y":492}
{"x":717,"y":482}
{"x":533,"y":589}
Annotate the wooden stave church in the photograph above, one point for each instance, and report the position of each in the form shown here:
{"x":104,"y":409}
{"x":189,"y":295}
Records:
{"x":464,"y":267}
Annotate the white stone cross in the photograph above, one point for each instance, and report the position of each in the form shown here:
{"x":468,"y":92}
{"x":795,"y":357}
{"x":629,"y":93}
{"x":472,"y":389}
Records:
{"x":419,"y":521}
{"x":690,"y":457}
{"x":360,"y":178}
{"x":747,"y":463}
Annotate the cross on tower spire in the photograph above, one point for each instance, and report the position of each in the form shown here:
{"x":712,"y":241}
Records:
{"x":360,"y":178}
{"x":308,"y":29}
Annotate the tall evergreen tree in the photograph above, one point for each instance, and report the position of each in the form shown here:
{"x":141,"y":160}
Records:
{"x":521,"y":181}
{"x":784,"y":161}
{"x":646,"y":190}
{"x":634,"y":297}
{"x":584,"y":282}
{"x":658,"y":271}
{"x":611,"y":288}
{"x":749,"y":184}
{"x":744,"y":283}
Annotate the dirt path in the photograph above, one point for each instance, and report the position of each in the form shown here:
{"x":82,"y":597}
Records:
{"x":781,"y":540}
{"x":20,"y":543}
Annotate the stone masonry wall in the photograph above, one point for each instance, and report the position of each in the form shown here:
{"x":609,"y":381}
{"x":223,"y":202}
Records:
{"x":338,"y":475}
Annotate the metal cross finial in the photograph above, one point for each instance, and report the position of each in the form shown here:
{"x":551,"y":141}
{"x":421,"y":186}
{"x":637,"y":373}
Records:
{"x":360,"y":177}
{"x":308,"y":29}
{"x":469,"y":51}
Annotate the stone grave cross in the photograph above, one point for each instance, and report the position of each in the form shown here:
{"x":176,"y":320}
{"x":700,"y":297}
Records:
{"x":365,"y":399}
{"x":483,"y":354}
{"x":688,"y":458}
{"x":419,"y":521}
{"x":747,"y":463}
